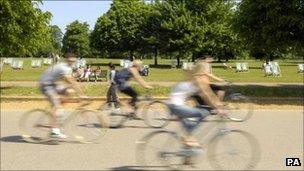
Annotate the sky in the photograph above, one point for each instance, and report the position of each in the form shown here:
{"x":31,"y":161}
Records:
{"x":65,"y":12}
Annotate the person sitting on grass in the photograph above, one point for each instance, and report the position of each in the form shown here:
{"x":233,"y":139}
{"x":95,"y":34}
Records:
{"x":122,"y":77}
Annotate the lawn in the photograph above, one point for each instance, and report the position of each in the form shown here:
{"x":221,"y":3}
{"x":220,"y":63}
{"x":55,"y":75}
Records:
{"x":100,"y":91}
{"x":163,"y":72}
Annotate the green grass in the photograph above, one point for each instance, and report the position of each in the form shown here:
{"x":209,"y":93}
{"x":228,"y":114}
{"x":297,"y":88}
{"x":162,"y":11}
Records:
{"x":100,"y":91}
{"x":164,"y":73}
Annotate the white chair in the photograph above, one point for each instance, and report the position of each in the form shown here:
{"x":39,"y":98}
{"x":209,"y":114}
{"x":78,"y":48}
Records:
{"x":127,"y":64}
{"x":121,"y":63}
{"x":244,"y":67}
{"x":8,"y":60}
{"x":268,"y":70}
{"x":36,"y":63}
{"x":1,"y":65}
{"x":300,"y":68}
{"x":238,"y":67}
{"x":173,"y":64}
{"x":17,"y":64}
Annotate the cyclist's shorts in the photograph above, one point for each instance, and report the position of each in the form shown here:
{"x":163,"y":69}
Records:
{"x":52,"y":92}
{"x":216,"y":87}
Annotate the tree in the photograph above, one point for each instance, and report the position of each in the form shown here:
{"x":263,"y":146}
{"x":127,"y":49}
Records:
{"x":56,"y":38}
{"x":23,"y":29}
{"x":119,"y":29}
{"x":76,"y":39}
{"x":271,"y":26}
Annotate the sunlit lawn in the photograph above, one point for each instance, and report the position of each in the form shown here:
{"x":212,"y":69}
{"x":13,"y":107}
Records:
{"x":164,"y":73}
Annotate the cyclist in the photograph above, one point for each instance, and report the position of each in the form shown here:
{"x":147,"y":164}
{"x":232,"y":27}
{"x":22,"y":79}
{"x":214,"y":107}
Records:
{"x":205,"y":62}
{"x":122,"y":77}
{"x":51,"y":89}
{"x":197,"y":83}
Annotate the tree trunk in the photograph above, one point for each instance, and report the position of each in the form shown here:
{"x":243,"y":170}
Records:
{"x":155,"y":56}
{"x":178,"y":61}
{"x":193,"y":57}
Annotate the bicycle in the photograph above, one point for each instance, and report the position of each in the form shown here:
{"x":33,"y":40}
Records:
{"x":155,"y":113}
{"x":225,"y":147}
{"x":239,"y":105}
{"x":86,"y":126}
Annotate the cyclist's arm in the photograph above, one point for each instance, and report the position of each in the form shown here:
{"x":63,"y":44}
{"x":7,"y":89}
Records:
{"x":138,"y":78}
{"x":73,"y":83}
{"x":215,"y":77}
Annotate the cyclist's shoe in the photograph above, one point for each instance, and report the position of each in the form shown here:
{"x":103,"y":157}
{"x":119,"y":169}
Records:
{"x":57,"y":134}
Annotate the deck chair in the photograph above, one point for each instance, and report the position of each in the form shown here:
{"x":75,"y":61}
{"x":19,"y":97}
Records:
{"x":47,"y":61}
{"x":238,"y":67}
{"x":245,"y":67}
{"x":267,"y":70}
{"x":173,"y":64}
{"x":17,"y":64}
{"x":121,"y":63}
{"x":300,"y":68}
{"x":276,"y":70}
{"x":8,"y":61}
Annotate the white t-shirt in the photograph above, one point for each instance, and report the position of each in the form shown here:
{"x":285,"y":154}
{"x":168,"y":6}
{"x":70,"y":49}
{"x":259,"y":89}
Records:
{"x":54,"y":73}
{"x":181,"y":92}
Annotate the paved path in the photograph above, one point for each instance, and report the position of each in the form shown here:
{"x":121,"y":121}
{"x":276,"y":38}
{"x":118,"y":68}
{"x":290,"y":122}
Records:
{"x":280,"y":134}
{"x":165,"y":84}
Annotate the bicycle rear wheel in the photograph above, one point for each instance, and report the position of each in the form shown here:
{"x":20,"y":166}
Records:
{"x":88,"y":126}
{"x":159,"y":150}
{"x":116,"y":112}
{"x":234,"y":150}
{"x":156,"y":114}
{"x":35,"y":125}
{"x":239,"y":106}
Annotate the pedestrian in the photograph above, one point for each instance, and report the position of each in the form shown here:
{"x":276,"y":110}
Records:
{"x":111,"y":93}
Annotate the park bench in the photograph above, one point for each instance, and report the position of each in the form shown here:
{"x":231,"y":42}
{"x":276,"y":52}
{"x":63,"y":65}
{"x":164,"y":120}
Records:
{"x":36,"y":63}
{"x":300,"y":68}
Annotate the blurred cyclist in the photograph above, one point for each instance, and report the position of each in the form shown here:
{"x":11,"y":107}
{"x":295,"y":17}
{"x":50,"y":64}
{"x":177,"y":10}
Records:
{"x":197,"y":83}
{"x":51,"y":89}
{"x":122,"y":77}
{"x":205,"y":62}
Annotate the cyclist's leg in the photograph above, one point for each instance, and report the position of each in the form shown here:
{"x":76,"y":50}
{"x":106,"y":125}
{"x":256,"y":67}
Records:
{"x":131,"y":92}
{"x":51,"y":94}
{"x":219,"y":91}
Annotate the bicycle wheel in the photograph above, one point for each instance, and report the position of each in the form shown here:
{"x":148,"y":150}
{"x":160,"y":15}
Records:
{"x":116,"y":112}
{"x":156,"y":114}
{"x":87,"y":126}
{"x":35,"y":125}
{"x":159,"y":150}
{"x":234,"y":150}
{"x":239,"y":106}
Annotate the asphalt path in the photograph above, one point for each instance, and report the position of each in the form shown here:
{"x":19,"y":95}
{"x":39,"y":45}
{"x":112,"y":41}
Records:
{"x":279,"y":133}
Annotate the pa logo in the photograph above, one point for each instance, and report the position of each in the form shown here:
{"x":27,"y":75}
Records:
{"x":293,"y":162}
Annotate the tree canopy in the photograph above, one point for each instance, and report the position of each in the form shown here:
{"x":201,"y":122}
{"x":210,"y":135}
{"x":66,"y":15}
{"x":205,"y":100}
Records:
{"x":76,"y":39}
{"x":24,"y":28}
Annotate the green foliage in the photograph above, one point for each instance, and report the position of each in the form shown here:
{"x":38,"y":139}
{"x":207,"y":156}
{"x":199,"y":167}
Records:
{"x":23,"y":28}
{"x":272,"y":26}
{"x":76,"y":39}
{"x":119,"y":28}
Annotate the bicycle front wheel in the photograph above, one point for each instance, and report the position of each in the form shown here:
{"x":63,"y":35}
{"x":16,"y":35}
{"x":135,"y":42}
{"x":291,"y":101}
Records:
{"x":160,"y":150}
{"x":36,"y":125}
{"x":234,"y":150}
{"x":239,"y":107}
{"x":88,"y":126}
{"x":156,"y":114}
